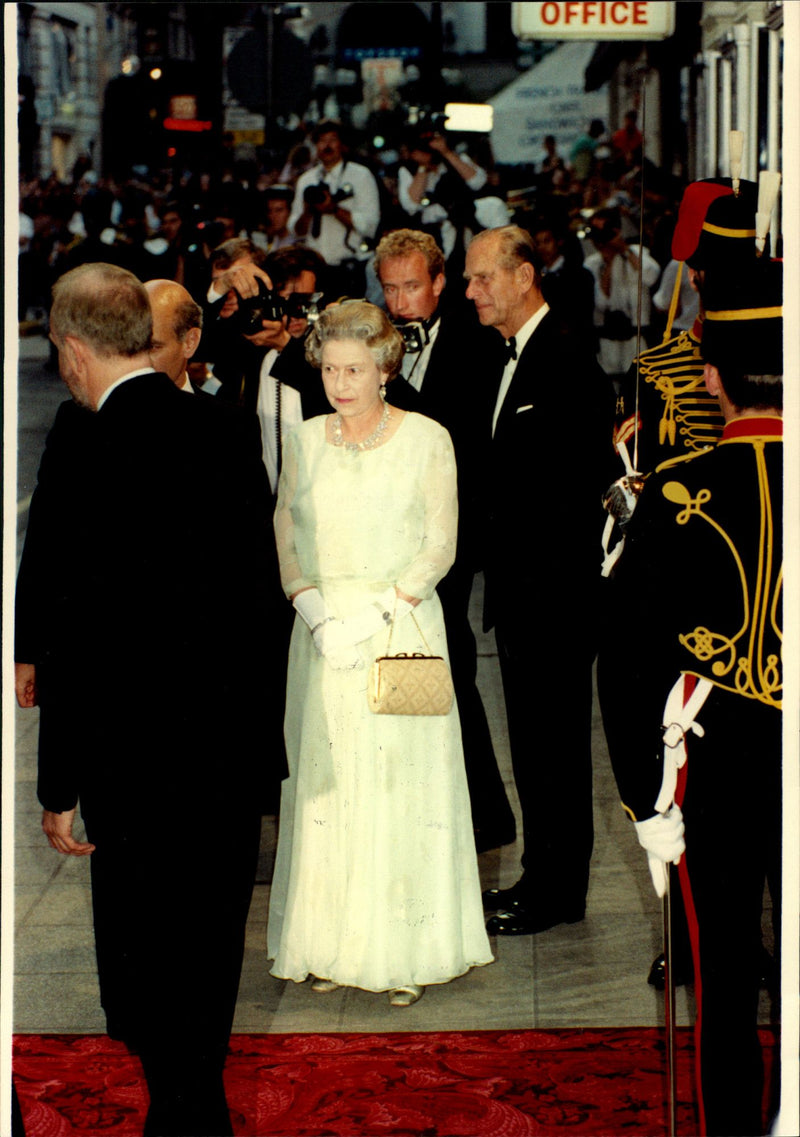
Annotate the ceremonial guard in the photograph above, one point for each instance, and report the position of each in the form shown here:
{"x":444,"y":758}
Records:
{"x":676,"y":414}
{"x":665,"y":409}
{"x":701,"y":577}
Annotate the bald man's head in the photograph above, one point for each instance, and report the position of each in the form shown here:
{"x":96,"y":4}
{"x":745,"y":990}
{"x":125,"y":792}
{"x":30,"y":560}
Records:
{"x":177,"y":325}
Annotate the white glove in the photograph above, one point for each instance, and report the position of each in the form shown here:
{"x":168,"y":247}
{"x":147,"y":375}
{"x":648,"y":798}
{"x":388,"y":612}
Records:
{"x":336,"y":639}
{"x":386,"y":609}
{"x":661,"y":836}
{"x":312,"y":609}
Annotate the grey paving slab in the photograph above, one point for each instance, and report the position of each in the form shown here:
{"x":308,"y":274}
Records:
{"x":62,"y":906}
{"x":56,"y":1003}
{"x":62,"y":949}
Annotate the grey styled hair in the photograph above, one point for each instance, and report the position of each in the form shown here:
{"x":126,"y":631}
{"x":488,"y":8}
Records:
{"x":361,"y":321}
{"x":105,"y":306}
{"x":514,"y":247}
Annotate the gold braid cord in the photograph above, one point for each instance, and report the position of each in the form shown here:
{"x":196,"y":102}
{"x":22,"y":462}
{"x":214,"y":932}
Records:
{"x":741,"y":662}
{"x":690,"y":417}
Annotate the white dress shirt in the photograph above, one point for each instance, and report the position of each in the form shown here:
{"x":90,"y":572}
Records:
{"x":415,"y":364}
{"x":521,"y":337}
{"x":364,"y":208}
{"x":267,"y":410}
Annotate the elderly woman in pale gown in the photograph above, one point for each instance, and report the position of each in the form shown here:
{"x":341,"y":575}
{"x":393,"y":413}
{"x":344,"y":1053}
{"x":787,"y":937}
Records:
{"x":376,"y":881}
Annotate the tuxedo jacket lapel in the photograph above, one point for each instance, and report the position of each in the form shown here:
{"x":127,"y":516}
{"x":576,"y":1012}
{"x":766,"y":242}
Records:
{"x":538,"y":361}
{"x":519,"y":392}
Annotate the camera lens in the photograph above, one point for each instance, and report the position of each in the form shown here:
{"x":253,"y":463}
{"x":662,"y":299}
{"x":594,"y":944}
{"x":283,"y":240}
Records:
{"x":315,"y":195}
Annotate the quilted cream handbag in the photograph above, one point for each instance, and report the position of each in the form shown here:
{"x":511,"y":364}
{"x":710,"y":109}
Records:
{"x":410,"y":683}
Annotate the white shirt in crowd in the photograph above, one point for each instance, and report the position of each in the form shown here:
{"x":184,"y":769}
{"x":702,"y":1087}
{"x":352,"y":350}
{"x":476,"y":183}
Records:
{"x":270,"y":390}
{"x":334,"y":243}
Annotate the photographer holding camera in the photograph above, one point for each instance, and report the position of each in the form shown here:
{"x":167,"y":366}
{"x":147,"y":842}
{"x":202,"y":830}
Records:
{"x":441,"y":193}
{"x":272,"y":305}
{"x":336,"y":210}
{"x":616,"y":266}
{"x":235,"y":271}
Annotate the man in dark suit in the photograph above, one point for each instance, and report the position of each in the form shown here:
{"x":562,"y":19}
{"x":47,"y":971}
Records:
{"x":548,"y":422}
{"x":446,"y":355}
{"x":119,"y":636}
{"x":177,"y":330}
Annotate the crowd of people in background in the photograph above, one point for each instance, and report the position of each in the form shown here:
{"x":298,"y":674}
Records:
{"x":166,"y":223}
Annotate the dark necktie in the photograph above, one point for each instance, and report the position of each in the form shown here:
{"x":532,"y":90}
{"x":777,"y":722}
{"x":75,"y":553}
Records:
{"x":511,"y":349}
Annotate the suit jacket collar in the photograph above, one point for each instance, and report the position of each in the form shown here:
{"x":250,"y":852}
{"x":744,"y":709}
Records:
{"x":134,"y":386}
{"x":118,"y":383}
{"x":528,"y":329}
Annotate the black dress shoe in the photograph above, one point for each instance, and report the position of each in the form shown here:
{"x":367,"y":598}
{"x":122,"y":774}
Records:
{"x":495,"y":899}
{"x":522,"y":921}
{"x":682,"y":972}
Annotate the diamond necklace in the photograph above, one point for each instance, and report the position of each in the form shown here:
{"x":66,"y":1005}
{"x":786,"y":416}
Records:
{"x":368,"y":443}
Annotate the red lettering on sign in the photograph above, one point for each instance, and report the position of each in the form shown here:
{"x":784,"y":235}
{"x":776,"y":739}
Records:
{"x":630,"y":13}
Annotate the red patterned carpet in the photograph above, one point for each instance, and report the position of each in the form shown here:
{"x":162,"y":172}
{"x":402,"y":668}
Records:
{"x":606,"y":1083}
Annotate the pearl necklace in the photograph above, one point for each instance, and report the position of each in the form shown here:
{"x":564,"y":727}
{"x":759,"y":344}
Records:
{"x":368,"y":443}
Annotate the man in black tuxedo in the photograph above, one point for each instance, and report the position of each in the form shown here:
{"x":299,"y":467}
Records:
{"x":548,"y":420}
{"x":151,"y":683}
{"x":446,"y":354}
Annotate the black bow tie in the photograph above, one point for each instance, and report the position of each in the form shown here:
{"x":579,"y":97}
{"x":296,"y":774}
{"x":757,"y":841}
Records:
{"x":511,"y":349}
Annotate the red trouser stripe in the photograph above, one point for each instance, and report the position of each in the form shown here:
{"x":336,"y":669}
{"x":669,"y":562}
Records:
{"x":694,"y":932}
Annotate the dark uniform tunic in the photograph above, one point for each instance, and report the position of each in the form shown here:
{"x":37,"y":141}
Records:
{"x":701,"y":580}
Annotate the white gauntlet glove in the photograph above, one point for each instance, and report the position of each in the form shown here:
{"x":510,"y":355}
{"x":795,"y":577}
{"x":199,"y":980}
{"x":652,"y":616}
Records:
{"x":313,"y":610}
{"x":661,"y":836}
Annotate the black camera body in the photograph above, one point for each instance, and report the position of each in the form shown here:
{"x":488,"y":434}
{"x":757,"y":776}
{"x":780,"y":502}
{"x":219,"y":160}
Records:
{"x":302,"y":305}
{"x":253,"y":310}
{"x":315,"y":195}
{"x":414,"y":332}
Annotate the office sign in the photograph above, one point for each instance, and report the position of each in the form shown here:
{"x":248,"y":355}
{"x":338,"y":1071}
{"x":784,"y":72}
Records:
{"x":599,"y":20}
